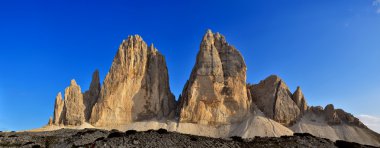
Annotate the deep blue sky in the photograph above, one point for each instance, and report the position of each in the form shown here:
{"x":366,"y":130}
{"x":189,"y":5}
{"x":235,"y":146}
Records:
{"x":331,"y":48}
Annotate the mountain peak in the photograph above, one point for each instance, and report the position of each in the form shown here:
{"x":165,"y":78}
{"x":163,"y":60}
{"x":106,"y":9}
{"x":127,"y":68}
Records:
{"x":73,"y":83}
{"x":218,"y":81}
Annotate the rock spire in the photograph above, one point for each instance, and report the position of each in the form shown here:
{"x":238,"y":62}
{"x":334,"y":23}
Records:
{"x":216,"y":91}
{"x":136,"y":87}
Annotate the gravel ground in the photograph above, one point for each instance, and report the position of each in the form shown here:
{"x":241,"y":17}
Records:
{"x":153,"y":139}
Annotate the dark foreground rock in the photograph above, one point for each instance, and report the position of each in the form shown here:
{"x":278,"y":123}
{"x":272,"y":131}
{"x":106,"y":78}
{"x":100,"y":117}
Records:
{"x":159,"y":138}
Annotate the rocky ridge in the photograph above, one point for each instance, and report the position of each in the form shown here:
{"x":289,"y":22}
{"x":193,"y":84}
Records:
{"x":216,"y":99}
{"x":156,"y":138}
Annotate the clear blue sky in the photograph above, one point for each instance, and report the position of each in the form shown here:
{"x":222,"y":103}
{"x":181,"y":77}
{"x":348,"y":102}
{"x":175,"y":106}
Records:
{"x":331,"y":48}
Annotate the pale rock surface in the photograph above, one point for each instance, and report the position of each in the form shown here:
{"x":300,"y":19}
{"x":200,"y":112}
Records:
{"x":254,"y":125}
{"x":215,"y":102}
{"x":274,"y":99}
{"x":315,"y":123}
{"x":74,"y":108}
{"x":216,"y":92}
{"x":58,"y":109}
{"x":50,"y":123}
{"x":299,"y":98}
{"x":91,"y":96}
{"x":136,"y":87}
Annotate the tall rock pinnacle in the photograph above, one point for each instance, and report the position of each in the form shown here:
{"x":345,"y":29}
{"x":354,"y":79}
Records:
{"x":74,"y":107}
{"x":216,"y":91}
{"x":136,"y":87}
{"x":300,"y":100}
{"x":58,"y":109}
{"x":91,"y":96}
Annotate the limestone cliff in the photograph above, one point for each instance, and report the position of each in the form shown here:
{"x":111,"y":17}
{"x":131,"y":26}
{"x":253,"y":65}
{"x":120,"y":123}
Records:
{"x":136,"y":87}
{"x":216,"y":101}
{"x":216,"y":91}
{"x":58,"y":109}
{"x":274,"y":99}
{"x":71,"y":110}
{"x":300,"y":100}
{"x":74,"y":107}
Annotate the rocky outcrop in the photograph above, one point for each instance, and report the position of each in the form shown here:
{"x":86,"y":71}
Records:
{"x":300,"y":100}
{"x":216,"y":91}
{"x":274,"y":99}
{"x":58,"y":109}
{"x":318,"y":110}
{"x":136,"y":87}
{"x":91,"y":96}
{"x":216,"y":100}
{"x":338,"y":116}
{"x":74,"y":109}
{"x":331,"y":115}
{"x":349,"y":118}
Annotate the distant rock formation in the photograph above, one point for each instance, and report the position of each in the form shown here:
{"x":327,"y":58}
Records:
{"x":338,"y":116}
{"x":74,"y":107}
{"x":300,"y":100}
{"x":136,"y":87}
{"x":216,"y":101}
{"x":216,"y":91}
{"x":274,"y":99}
{"x":58,"y":109}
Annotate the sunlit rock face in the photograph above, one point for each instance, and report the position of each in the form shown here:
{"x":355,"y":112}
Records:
{"x":58,"y":109}
{"x":136,"y":87}
{"x":216,"y":91}
{"x":74,"y":109}
{"x":71,"y":110}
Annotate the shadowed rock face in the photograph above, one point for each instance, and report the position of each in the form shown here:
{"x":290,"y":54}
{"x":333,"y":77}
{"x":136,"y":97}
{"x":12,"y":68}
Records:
{"x":274,"y":99}
{"x":91,"y":96}
{"x":300,"y":100}
{"x":338,"y":116}
{"x":216,"y":91}
{"x":136,"y":87}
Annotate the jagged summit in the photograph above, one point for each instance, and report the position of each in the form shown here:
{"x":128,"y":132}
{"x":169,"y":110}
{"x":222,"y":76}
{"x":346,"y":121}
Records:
{"x":73,"y":83}
{"x":136,"y":87}
{"x":216,"y":91}
{"x":300,"y":100}
{"x":216,"y":100}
